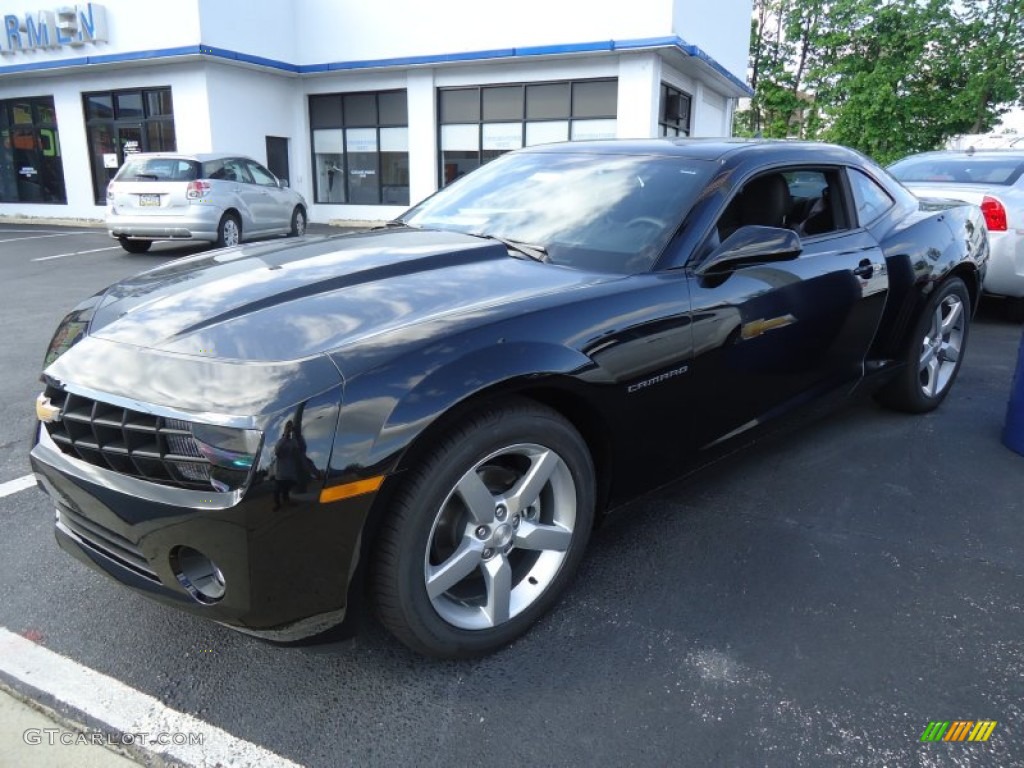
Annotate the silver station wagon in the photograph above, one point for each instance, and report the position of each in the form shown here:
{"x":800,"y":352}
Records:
{"x":219,"y":198}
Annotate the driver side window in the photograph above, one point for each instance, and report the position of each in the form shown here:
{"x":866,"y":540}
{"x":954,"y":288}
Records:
{"x":803,"y":200}
{"x":262,"y":176}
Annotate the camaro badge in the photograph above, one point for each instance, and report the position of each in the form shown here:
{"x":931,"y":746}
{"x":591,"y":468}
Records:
{"x":755,"y":328}
{"x":46,"y":411}
{"x":657,"y":379}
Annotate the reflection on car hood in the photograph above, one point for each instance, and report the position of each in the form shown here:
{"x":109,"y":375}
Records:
{"x":294,"y":299}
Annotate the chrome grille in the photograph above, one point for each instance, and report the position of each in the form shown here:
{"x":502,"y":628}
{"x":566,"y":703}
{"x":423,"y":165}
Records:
{"x":104,"y":541}
{"x":129,"y":442}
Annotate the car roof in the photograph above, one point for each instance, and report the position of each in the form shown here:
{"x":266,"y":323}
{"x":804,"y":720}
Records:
{"x":699,"y":149}
{"x":200,"y":157}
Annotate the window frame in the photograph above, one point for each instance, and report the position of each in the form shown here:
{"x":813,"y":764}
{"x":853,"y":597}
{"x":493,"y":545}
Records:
{"x":116,"y":121}
{"x":344,"y":126}
{"x":37,"y":127}
{"x":664,"y":125}
{"x":569,"y":118}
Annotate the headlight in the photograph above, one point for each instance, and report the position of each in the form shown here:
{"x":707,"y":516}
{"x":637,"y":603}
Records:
{"x":72,"y":328}
{"x":227,"y":447}
{"x":69,"y":332}
{"x":230,"y":452}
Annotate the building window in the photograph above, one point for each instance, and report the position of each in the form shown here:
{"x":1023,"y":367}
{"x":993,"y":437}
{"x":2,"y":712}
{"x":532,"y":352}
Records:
{"x":120,"y":123}
{"x":482,"y":122}
{"x":675,"y":112}
{"x":31,"y":170}
{"x":360,"y":148}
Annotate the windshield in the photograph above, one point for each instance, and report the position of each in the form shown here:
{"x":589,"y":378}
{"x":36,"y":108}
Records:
{"x":605,"y":212}
{"x":959,"y":169}
{"x":158,"y":169}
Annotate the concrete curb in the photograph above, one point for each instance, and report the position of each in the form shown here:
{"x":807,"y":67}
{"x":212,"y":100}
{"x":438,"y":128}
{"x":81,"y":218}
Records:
{"x":23,"y":722}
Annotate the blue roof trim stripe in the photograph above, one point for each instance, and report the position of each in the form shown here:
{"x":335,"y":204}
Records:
{"x":440,"y":58}
{"x":111,"y":58}
{"x":224,"y":53}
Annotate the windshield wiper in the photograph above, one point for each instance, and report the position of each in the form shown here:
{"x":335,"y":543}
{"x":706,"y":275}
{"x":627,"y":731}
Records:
{"x":530,"y":250}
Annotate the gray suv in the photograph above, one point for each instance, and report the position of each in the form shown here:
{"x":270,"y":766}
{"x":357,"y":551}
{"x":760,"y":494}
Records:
{"x":219,"y":198}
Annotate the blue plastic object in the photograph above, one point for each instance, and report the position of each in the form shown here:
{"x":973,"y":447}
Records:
{"x":1013,"y":432}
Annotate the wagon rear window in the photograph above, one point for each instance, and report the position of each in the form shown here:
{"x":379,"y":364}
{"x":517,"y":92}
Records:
{"x":960,"y":169}
{"x":158,"y":169}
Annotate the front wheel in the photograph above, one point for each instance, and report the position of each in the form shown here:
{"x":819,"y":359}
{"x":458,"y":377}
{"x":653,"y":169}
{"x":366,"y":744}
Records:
{"x":935,"y":352}
{"x":135,"y":246}
{"x":486,"y":533}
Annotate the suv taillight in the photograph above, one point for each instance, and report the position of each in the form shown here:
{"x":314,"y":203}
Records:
{"x":995,"y":214}
{"x":197,"y":190}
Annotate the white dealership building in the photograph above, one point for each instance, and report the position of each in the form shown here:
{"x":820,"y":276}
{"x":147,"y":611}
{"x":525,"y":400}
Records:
{"x":363,"y":107}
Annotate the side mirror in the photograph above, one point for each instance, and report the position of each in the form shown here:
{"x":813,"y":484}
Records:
{"x":752,"y":245}
{"x":282,"y":183}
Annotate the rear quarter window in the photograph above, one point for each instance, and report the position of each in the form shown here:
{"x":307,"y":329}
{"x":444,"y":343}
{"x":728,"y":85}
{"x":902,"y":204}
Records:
{"x":158,"y":169}
{"x":871,"y":200}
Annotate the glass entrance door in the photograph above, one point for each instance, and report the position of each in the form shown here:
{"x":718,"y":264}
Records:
{"x":129,"y":141}
{"x":121,"y":123}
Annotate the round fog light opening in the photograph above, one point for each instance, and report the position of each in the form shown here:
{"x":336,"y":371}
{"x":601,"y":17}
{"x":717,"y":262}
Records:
{"x":198,"y":574}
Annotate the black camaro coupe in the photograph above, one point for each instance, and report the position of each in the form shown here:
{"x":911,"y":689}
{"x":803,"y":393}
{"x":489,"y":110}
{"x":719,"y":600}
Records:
{"x":431,"y":416}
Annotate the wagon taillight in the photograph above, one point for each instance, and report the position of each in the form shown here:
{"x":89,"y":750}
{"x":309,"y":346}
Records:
{"x":197,"y":190}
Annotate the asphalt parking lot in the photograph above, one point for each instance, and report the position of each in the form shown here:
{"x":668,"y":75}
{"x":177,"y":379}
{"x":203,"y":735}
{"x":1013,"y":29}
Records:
{"x":816,"y":600}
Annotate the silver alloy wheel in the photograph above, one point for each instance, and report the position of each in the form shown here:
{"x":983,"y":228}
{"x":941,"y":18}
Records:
{"x":500,"y":537}
{"x":230,"y":232}
{"x":300,"y":223}
{"x":941,"y":347}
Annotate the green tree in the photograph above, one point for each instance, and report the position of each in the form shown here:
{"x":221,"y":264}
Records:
{"x":887,"y":78}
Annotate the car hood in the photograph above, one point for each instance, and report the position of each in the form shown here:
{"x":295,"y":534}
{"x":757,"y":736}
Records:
{"x":289,"y":300}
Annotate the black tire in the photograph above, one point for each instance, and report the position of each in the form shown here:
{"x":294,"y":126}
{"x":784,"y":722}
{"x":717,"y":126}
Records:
{"x":135,"y":246}
{"x":229,"y":231}
{"x":430,"y":520}
{"x":298,"y":222}
{"x":933,"y":359}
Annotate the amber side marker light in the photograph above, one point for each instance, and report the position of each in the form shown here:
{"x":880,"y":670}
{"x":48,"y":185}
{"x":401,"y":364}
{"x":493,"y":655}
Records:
{"x":348,"y":490}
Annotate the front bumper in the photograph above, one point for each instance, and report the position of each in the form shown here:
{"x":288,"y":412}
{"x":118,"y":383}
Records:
{"x":287,"y":571}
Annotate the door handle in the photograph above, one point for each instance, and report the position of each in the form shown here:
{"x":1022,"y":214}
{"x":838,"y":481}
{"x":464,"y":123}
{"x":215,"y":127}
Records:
{"x":865,"y":269}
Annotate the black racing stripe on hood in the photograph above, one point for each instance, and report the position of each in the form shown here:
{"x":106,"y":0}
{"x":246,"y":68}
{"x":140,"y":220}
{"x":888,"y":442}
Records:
{"x":397,"y":269}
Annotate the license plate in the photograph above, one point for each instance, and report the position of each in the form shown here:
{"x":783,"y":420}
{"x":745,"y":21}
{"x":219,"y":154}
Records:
{"x":149,"y":201}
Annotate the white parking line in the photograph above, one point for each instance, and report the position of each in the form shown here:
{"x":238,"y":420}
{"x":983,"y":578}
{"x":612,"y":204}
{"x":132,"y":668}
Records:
{"x":55,"y":234}
{"x":77,"y":253}
{"x":126,"y":710}
{"x":5,"y":231}
{"x":13,"y":486}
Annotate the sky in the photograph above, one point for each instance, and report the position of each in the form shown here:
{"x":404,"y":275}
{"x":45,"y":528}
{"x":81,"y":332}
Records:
{"x":1013,"y":120}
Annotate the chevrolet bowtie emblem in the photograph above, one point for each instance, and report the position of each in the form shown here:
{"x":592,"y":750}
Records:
{"x":46,"y":411}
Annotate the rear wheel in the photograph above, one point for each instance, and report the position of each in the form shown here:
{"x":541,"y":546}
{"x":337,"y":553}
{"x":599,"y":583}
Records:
{"x":935,"y":352}
{"x":135,"y":246}
{"x":298,"y":222}
{"x":229,"y":231}
{"x":486,"y":533}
